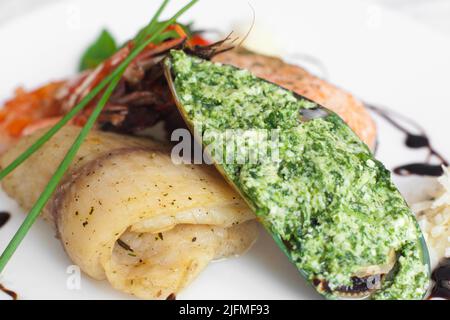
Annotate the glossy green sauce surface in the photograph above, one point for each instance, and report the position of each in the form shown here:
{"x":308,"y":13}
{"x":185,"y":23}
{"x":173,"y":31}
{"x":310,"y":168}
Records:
{"x":326,"y":198}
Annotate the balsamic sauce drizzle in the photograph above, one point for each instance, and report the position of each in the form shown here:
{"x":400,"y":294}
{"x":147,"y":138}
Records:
{"x":10,"y":293}
{"x":172,"y":296}
{"x":413,"y":141}
{"x":441,"y":277}
{"x":4,"y":217}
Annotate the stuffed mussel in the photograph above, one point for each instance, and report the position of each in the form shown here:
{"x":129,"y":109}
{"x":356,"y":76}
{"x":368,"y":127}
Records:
{"x":316,"y":187}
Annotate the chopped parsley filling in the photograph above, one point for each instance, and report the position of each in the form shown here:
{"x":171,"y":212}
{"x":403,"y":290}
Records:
{"x":328,"y":201}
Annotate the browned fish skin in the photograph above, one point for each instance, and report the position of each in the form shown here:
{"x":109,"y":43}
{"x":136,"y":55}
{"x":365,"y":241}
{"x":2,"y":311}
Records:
{"x":302,"y":82}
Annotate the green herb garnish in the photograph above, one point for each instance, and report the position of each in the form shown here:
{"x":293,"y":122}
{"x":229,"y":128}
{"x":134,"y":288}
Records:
{"x":102,"y":48}
{"x":105,"y":45}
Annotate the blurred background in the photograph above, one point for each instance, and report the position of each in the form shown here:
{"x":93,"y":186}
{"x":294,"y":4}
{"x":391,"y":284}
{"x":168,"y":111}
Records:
{"x":434,"y":13}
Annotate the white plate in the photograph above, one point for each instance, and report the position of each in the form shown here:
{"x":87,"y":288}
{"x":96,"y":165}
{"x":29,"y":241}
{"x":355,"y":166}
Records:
{"x":374,"y":53}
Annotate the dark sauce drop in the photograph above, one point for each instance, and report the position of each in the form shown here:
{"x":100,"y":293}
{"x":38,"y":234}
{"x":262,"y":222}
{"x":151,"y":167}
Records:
{"x":172,"y":296}
{"x":10,"y":293}
{"x":413,"y":140}
{"x":441,"y":277}
{"x":4,"y":217}
{"x":420,"y":169}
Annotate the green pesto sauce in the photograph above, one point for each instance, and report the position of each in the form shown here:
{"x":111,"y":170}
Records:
{"x":332,"y":205}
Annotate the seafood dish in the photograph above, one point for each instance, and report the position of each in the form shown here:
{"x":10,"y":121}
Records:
{"x":265,"y":143}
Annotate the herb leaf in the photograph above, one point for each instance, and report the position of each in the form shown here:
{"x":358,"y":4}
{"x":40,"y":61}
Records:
{"x":102,"y":48}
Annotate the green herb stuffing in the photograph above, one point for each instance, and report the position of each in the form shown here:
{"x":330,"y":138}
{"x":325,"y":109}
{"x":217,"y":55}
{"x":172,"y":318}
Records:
{"x":327,"y":201}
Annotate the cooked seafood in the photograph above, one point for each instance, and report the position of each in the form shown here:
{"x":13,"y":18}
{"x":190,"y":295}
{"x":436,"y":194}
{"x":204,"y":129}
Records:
{"x":328,"y":203}
{"x":126,"y":213}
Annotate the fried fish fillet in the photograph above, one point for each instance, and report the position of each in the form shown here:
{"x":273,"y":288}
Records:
{"x":127,"y":213}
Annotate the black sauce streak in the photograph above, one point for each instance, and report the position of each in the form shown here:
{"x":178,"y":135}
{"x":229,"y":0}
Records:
{"x":421,"y":169}
{"x":413,"y":140}
{"x":10,"y":293}
{"x":441,"y":277}
{"x":4,"y":217}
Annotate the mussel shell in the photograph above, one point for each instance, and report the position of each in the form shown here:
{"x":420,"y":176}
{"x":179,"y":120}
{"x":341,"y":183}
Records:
{"x":355,"y":292}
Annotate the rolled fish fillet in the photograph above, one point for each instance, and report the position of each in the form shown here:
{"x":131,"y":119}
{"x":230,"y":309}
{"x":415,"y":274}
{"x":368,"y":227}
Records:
{"x":126,"y":213}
